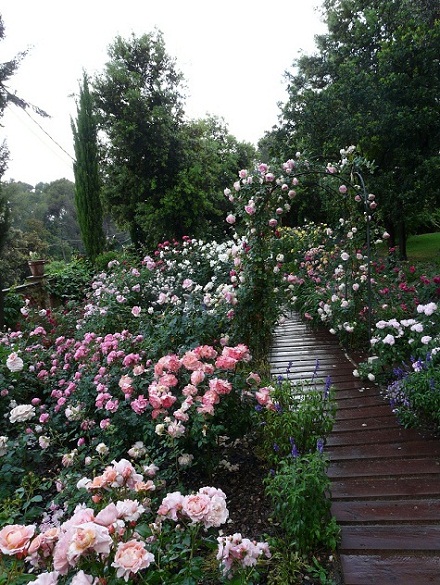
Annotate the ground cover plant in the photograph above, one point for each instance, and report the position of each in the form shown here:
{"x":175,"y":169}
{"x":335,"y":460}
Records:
{"x":117,"y":410}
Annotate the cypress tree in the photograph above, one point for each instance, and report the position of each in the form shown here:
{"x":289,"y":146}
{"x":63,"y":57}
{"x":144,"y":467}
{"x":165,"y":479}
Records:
{"x":86,"y":171}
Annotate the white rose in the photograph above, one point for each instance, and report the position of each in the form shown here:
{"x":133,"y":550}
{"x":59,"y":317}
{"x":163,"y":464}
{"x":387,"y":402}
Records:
{"x":21,"y":413}
{"x":102,"y":449}
{"x":14,"y":363}
{"x":3,"y":445}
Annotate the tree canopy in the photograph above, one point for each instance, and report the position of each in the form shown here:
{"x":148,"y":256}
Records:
{"x":374,"y":81}
{"x":140,"y":107}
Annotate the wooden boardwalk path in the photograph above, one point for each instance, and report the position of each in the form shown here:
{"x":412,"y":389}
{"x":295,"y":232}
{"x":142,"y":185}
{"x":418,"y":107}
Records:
{"x":385,"y":479}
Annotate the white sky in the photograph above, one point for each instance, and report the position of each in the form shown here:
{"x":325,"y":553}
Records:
{"x":233,"y":54}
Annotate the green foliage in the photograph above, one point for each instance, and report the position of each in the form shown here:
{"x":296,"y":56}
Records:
{"x":139,"y":108}
{"x":86,"y":169}
{"x":375,"y":70}
{"x":300,"y":415}
{"x":415,"y":394}
{"x":299,"y":491}
{"x":69,"y":281}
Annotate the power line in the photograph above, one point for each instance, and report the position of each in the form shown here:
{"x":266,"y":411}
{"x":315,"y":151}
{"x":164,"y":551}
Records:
{"x":45,"y":132}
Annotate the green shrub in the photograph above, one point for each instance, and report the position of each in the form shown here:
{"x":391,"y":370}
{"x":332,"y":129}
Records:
{"x":298,"y":491}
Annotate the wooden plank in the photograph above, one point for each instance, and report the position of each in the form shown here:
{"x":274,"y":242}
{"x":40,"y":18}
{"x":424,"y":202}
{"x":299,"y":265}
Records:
{"x":361,"y":401}
{"x":414,"y":510}
{"x":383,"y":467}
{"x":391,"y":450}
{"x":367,"y":435}
{"x":401,"y":569}
{"x":428,"y":485}
{"x":393,"y":537}
{"x":364,"y":413}
{"x":378,"y":422}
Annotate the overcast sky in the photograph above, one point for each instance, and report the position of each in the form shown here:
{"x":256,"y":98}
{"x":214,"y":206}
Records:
{"x":233,"y":54}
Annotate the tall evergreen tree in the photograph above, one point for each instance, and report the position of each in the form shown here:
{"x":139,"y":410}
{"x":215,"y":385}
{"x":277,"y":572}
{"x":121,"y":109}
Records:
{"x":139,"y":104}
{"x":86,"y":171}
{"x":374,"y":81}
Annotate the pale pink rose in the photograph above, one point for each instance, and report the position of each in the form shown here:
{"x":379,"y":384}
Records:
{"x":263,"y":397}
{"x":225,"y":362}
{"x":168,"y":380}
{"x":171,"y":505}
{"x":176,"y":429}
{"x":81,"y":515}
{"x":191,"y":362}
{"x":47,"y":579}
{"x":82,"y":579}
{"x":197,"y":376}
{"x":189,"y":390}
{"x":125,"y":382}
{"x":108,"y":515}
{"x":206,"y":352}
{"x":210,"y":398}
{"x":197,"y":506}
{"x":130,"y":558}
{"x":87,"y":537}
{"x":218,"y":513}
{"x":129,"y":510}
{"x":140,"y":404}
{"x":136,"y":311}
{"x":230,"y":219}
{"x":15,"y":538}
{"x":273,"y":222}
{"x":14,"y":363}
{"x":253,"y":377}
{"x":168,"y":362}
{"x":125,"y":474}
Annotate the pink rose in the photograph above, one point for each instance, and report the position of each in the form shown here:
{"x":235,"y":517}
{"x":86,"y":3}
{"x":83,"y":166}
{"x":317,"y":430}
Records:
{"x":15,"y":538}
{"x":87,"y":537}
{"x":197,"y":506}
{"x":130,"y":558}
{"x":108,"y":515}
{"x":220,"y":386}
{"x":171,"y":505}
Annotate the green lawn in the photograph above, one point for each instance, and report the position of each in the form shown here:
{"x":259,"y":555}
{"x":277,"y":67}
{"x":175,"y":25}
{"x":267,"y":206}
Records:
{"x":424,"y":248}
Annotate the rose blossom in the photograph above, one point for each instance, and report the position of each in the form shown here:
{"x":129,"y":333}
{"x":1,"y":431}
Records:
{"x":48,"y":579}
{"x":129,"y":510}
{"x":171,"y":505}
{"x":131,"y":557}
{"x":14,"y":363}
{"x":88,"y":536}
{"x":197,"y":506}
{"x":21,"y":413}
{"x":3,"y":445}
{"x":15,"y":538}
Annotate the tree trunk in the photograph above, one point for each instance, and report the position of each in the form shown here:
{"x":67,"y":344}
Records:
{"x":402,"y":240}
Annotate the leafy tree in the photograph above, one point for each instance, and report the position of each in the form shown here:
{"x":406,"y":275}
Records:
{"x":60,"y":219}
{"x":374,"y":82}
{"x":139,"y":107}
{"x":86,"y":170}
{"x":211,"y":160}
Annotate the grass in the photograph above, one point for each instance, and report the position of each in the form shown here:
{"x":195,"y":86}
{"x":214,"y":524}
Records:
{"x":424,"y":248}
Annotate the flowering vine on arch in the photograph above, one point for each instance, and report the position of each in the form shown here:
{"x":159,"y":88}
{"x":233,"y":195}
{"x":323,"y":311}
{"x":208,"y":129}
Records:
{"x":260,"y":199}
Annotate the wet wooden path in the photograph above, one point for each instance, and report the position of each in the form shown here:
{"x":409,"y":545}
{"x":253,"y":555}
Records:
{"x":385,"y":479}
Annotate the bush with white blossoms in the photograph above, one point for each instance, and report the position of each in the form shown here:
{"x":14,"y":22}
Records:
{"x":396,"y":342}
